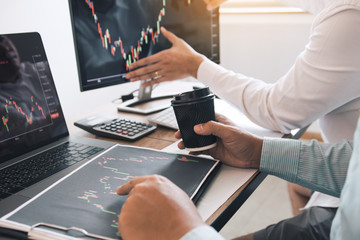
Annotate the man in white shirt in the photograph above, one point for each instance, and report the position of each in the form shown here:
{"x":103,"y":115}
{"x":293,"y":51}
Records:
{"x":322,"y":84}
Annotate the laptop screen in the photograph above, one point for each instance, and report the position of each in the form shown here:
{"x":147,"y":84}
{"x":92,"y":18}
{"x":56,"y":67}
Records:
{"x":30,"y":110}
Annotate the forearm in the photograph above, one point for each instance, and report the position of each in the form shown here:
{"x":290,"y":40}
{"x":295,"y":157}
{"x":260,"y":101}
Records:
{"x":263,"y":103}
{"x":323,"y":78}
{"x":320,"y":167}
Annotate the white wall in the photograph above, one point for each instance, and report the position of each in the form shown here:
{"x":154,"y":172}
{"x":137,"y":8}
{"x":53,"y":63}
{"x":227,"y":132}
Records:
{"x":263,"y":46}
{"x":260,"y":45}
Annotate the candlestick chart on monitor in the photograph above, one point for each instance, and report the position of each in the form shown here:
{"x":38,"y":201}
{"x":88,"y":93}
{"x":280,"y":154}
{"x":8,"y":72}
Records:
{"x":111,"y":34}
{"x":148,"y":35}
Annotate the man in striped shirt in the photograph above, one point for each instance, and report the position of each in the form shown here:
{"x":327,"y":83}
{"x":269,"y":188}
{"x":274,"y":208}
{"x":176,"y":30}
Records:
{"x":165,"y":211}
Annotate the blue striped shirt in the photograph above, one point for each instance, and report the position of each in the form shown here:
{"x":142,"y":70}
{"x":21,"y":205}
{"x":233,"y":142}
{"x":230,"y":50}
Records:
{"x":319,"y":166}
{"x":328,"y":168}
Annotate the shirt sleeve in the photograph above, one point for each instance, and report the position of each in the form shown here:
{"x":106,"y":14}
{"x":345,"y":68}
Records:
{"x":203,"y":233}
{"x":324,"y":77}
{"x":346,"y":222}
{"x":319,"y":166}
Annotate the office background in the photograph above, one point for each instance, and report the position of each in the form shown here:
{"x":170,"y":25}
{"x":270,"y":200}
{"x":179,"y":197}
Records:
{"x":260,"y":45}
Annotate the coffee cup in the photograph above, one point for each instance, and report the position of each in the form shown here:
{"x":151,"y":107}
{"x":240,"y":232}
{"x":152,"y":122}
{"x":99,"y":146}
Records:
{"x":192,"y":108}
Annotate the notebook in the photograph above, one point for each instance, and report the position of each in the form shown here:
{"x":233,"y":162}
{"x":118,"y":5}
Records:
{"x":36,"y":149}
{"x":86,"y":198}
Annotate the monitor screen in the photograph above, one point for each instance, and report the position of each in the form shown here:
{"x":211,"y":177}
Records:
{"x":30,"y":111}
{"x":111,"y":34}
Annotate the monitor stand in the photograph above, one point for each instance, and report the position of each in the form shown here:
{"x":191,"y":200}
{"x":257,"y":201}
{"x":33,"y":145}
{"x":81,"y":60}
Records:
{"x":141,"y":104}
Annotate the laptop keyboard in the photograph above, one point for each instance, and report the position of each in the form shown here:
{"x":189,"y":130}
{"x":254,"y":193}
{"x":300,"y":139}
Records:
{"x":32,"y":170}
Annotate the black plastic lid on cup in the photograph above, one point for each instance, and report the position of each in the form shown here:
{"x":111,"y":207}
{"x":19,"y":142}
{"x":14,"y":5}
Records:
{"x":196,"y":95}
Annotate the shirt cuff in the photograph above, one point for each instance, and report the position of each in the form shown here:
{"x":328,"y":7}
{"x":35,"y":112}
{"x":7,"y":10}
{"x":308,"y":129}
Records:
{"x":207,"y":71}
{"x":280,"y":157}
{"x":202,"y":233}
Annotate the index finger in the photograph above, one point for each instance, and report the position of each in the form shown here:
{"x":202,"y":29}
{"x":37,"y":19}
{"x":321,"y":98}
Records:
{"x":210,"y":128}
{"x":126,"y":188}
{"x":212,"y":4}
{"x":178,"y":134}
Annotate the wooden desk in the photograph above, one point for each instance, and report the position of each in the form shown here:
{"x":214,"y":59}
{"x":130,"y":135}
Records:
{"x":215,"y":213}
{"x":159,"y":139}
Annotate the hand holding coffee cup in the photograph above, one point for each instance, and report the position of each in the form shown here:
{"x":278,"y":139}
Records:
{"x":192,"y":108}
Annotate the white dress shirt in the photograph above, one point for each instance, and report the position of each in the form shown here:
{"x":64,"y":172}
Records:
{"x":323,"y":83}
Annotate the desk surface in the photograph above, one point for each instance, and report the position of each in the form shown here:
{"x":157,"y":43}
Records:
{"x":229,"y":183}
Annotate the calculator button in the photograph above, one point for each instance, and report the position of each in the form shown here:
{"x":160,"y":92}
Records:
{"x":124,"y":129}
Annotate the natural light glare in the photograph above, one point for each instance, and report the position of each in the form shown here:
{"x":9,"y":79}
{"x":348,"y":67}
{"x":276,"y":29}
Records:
{"x":256,"y":6}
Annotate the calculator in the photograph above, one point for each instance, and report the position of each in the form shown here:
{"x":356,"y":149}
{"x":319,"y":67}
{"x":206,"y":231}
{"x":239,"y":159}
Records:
{"x":115,"y":127}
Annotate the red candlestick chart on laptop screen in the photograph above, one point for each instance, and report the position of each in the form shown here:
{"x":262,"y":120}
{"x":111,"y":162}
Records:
{"x":30,"y":111}
{"x":26,"y":99}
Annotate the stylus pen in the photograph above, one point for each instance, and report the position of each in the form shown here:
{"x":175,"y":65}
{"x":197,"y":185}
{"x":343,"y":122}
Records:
{"x":13,"y":234}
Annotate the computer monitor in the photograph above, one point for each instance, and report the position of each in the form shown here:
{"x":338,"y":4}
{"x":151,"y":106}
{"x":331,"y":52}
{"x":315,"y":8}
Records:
{"x":111,"y":34}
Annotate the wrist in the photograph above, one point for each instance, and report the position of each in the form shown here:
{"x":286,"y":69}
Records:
{"x":196,"y":61}
{"x":257,"y":149}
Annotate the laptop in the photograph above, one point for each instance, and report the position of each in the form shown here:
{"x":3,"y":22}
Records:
{"x":35,"y":146}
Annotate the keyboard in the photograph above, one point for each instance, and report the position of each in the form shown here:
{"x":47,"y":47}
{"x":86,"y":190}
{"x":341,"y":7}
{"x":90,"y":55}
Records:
{"x":34,"y":169}
{"x":165,"y":118}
